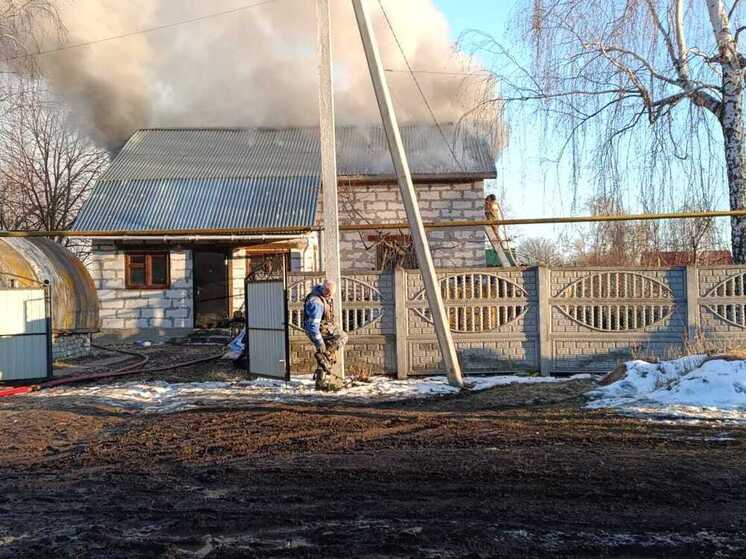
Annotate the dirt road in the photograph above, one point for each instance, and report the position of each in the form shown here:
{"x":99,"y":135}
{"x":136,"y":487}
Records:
{"x":516,"y":471}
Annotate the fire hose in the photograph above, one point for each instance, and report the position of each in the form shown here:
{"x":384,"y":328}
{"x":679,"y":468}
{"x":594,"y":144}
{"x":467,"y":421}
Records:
{"x":130,"y":369}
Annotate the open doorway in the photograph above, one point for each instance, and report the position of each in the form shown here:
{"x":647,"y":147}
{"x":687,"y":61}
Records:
{"x":211,"y":288}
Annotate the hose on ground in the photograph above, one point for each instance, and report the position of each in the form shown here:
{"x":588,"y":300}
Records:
{"x":143,"y":359}
{"x":130,"y":369}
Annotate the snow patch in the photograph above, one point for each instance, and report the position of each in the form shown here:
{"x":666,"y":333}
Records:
{"x":165,"y":397}
{"x":691,"y":387}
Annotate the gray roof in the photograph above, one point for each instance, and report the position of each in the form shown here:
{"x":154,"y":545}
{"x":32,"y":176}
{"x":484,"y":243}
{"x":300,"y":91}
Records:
{"x":210,"y":203}
{"x":204,"y":178}
{"x":178,"y":153}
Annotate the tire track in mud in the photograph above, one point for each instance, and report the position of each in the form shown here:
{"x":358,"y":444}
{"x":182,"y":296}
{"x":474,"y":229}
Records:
{"x":451,"y":478}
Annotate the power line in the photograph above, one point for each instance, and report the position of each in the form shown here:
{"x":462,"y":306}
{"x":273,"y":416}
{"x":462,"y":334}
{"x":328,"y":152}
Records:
{"x":439,"y":72}
{"x":419,"y":88}
{"x":143,"y":31}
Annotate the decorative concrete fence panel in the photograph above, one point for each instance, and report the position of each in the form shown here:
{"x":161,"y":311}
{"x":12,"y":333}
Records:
{"x":554,"y":321}
{"x":721,"y":312}
{"x":367,"y":316}
{"x":601,"y":316}
{"x":492,"y":314}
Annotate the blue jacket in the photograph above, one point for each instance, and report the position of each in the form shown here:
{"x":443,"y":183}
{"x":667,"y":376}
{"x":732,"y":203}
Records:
{"x":313,"y":312}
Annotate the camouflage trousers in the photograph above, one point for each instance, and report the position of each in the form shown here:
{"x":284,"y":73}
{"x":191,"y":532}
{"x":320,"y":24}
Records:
{"x":326,"y":360}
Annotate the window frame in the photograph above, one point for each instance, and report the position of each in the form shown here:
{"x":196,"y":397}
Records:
{"x":148,"y":269}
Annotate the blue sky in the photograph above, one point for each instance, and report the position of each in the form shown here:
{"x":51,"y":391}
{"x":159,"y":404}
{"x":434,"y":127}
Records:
{"x":530,"y":190}
{"x":534,"y":185}
{"x":486,"y":15}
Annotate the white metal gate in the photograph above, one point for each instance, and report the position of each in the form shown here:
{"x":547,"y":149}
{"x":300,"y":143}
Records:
{"x":267,"y":344}
{"x":25,"y":334}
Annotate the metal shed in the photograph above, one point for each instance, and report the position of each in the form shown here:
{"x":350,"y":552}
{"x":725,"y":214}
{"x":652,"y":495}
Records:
{"x":30,"y":262}
{"x":48,"y":301}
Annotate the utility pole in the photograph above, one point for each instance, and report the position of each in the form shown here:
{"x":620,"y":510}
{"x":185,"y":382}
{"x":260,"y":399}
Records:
{"x":330,"y":238}
{"x":409,"y":196}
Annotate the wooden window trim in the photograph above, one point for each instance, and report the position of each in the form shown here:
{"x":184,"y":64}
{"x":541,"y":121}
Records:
{"x":148,"y":266}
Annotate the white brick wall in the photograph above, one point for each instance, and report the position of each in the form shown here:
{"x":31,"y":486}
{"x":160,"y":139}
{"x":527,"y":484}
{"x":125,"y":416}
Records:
{"x":382,"y":204}
{"x":238,"y":275}
{"x":125,"y":309}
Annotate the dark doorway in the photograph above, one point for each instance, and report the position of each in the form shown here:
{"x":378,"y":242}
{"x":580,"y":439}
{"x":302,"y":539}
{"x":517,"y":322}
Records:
{"x":211,"y":294}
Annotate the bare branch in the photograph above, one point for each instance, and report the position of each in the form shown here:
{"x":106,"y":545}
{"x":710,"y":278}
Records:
{"x":601,"y":70}
{"x":733,"y":8}
{"x":682,"y":58}
{"x":47,"y":167}
{"x":663,"y":31}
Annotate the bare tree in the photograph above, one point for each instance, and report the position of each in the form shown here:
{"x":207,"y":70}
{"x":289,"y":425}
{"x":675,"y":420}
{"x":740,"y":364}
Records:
{"x":47,"y":167}
{"x":650,"y":243}
{"x":538,"y":251}
{"x":693,"y":237}
{"x":13,"y":213}
{"x":613,"y":243}
{"x":647,"y":83}
{"x":24,"y":25}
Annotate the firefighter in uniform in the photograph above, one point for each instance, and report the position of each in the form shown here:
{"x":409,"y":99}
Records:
{"x":319,"y":325}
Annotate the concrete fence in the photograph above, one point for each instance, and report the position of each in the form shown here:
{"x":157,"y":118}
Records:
{"x":555,"y":321}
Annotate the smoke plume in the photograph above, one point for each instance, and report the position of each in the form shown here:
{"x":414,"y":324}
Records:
{"x":254,"y":67}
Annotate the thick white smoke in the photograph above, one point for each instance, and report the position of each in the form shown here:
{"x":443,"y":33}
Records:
{"x":255,"y":67}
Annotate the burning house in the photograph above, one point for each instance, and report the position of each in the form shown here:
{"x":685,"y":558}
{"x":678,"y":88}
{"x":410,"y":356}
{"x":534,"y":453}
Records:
{"x":266,"y":180}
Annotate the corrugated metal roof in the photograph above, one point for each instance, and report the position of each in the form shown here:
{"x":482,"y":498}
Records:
{"x":190,"y":178}
{"x":364,"y":152}
{"x":177,"y":153}
{"x":151,"y":204}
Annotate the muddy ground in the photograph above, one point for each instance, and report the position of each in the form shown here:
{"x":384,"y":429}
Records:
{"x":517,"y":471}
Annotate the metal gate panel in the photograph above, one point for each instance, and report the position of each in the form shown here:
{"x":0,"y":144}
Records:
{"x":25,"y":334}
{"x":267,"y":345}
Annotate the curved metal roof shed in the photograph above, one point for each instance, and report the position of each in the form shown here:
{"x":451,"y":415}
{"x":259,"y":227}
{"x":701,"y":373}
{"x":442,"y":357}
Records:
{"x":31,"y":262}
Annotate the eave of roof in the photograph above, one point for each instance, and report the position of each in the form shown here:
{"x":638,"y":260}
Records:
{"x":444,"y":178}
{"x":178,"y":204}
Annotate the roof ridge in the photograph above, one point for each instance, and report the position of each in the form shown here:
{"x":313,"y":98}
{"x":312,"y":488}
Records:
{"x":244,"y":128}
{"x":168,"y":153}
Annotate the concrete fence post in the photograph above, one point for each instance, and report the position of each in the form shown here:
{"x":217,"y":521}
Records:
{"x":544,"y":318}
{"x":692,"y":304}
{"x":400,"y":322}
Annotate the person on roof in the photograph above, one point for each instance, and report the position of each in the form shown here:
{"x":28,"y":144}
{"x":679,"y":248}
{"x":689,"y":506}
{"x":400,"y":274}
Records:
{"x":320,"y":327}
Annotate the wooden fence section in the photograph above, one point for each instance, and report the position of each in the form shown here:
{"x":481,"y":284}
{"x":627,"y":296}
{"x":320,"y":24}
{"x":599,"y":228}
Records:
{"x":536,"y":319}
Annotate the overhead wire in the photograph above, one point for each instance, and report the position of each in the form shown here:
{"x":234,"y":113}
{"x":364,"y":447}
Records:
{"x":143,"y":31}
{"x":437,"y":72}
{"x":419,"y":87}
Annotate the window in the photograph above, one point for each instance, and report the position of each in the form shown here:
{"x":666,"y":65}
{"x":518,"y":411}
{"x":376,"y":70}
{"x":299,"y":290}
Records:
{"x":147,"y":270}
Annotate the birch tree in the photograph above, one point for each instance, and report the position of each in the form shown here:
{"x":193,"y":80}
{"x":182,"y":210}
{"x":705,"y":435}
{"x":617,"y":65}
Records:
{"x":728,"y":108}
{"x":24,"y":25}
{"x":654,"y":86}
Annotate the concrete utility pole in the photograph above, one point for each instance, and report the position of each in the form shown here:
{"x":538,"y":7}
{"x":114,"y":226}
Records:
{"x":330,"y":248}
{"x":409,"y":196}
